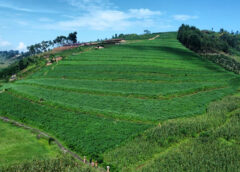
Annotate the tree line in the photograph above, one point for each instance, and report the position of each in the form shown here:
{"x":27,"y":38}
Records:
{"x":28,"y":58}
{"x":205,"y":41}
{"x":45,"y":46}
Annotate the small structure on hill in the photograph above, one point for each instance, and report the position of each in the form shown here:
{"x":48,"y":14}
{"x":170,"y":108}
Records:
{"x":112,"y":41}
{"x":58,"y":59}
{"x":99,"y":47}
{"x":49,"y":63}
{"x":13,"y":78}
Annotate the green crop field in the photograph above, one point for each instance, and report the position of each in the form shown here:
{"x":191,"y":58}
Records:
{"x":99,"y":102}
{"x":18,"y":145}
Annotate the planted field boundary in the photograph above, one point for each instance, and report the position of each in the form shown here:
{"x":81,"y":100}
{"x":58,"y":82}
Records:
{"x":63,"y":149}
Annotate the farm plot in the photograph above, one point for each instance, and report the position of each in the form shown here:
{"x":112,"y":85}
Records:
{"x":85,"y":134}
{"x":124,"y":107}
{"x":137,"y":89}
{"x":98,"y":99}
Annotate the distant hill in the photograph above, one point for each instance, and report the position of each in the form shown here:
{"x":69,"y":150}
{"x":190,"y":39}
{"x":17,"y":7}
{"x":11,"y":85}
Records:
{"x":9,"y":57}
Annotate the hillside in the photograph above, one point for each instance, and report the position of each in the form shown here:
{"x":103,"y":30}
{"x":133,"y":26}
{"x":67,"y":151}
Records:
{"x":135,"y":106}
{"x":8,"y":57}
{"x":13,"y":138}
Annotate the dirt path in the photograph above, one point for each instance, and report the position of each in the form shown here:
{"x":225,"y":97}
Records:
{"x":154,"y":37}
{"x":40,"y":133}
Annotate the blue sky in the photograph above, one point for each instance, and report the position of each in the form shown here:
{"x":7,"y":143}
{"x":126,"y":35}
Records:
{"x":25,"y":22}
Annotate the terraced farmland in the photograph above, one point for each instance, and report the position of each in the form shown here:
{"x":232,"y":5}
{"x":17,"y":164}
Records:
{"x":96,"y":100}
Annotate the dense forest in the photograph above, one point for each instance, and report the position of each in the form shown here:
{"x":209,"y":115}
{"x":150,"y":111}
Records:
{"x":220,"y":47}
{"x":207,"y":41}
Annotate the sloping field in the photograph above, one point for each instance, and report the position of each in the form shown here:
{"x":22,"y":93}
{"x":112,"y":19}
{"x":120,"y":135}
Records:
{"x":18,"y":145}
{"x":96,"y":100}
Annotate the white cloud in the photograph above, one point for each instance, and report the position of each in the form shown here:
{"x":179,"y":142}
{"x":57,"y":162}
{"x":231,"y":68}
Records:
{"x":143,"y":13}
{"x":103,"y":15}
{"x":89,"y":5}
{"x":4,"y":43}
{"x":45,"y":19}
{"x":13,"y":7}
{"x":108,"y":19}
{"x":21,"y":47}
{"x":183,"y":17}
{"x":22,"y":23}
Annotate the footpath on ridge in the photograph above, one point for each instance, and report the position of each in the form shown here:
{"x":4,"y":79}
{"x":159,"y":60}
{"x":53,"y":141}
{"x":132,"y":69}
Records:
{"x":40,"y":133}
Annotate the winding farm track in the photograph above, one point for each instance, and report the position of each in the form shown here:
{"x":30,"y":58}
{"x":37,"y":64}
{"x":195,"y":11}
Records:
{"x":154,"y":37}
{"x":63,"y":149}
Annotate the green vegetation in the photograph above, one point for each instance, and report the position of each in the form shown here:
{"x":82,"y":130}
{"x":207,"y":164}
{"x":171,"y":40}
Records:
{"x":9,"y":57}
{"x":58,"y":164}
{"x":209,"y":142}
{"x":19,"y":66}
{"x":18,"y":146}
{"x":134,"y":105}
{"x":208,"y":41}
{"x":219,"y":47}
{"x":144,"y":36}
{"x":84,"y":133}
{"x":45,"y":46}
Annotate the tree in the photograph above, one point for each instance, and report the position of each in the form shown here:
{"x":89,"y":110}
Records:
{"x":72,"y":37}
{"x":31,"y":49}
{"x":60,"y":40}
{"x":147,"y":32}
{"x":208,"y":41}
{"x":195,"y":42}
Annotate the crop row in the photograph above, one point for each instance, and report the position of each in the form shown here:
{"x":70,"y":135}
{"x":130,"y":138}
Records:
{"x":214,"y":150}
{"x":129,"y":77}
{"x":126,"y":88}
{"x":85,"y":134}
{"x":122,"y":107}
{"x":141,"y":68}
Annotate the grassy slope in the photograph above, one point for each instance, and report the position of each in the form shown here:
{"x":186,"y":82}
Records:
{"x":97,"y":100}
{"x":18,"y":145}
